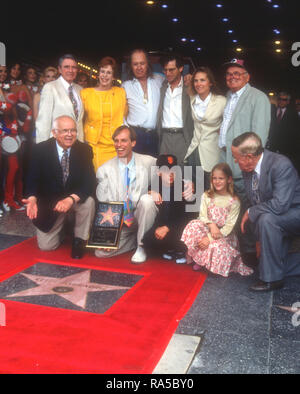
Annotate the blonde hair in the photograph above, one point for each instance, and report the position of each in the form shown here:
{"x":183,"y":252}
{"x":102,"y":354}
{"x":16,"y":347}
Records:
{"x":224,"y":167}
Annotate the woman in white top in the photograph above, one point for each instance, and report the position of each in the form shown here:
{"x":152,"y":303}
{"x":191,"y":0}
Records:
{"x":207,"y":111}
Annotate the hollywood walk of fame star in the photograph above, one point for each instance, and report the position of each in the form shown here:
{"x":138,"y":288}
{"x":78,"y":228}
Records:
{"x":108,"y":216}
{"x":73,"y":288}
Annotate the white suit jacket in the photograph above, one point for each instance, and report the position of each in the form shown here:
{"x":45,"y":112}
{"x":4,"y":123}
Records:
{"x":206,"y":132}
{"x":55,"y":102}
{"x":111,"y":185}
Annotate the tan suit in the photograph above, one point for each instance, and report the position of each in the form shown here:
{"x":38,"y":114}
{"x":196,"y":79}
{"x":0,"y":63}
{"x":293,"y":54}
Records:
{"x":55,"y":102}
{"x":111,"y":187}
{"x":206,"y":132}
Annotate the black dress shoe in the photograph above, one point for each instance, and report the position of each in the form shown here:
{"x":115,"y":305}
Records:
{"x":78,"y":247}
{"x":267,"y":286}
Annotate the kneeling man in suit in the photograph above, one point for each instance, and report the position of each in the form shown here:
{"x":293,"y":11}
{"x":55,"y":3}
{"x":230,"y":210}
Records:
{"x":61,"y":179}
{"x":273,"y":189}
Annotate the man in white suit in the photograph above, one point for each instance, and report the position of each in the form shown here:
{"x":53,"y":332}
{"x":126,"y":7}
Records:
{"x":112,"y":186}
{"x":58,"y":98}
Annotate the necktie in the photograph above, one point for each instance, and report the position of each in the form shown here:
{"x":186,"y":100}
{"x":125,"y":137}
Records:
{"x":255,"y":182}
{"x":74,"y":102}
{"x":65,"y":165}
{"x":279,"y":115}
{"x":128,"y":208}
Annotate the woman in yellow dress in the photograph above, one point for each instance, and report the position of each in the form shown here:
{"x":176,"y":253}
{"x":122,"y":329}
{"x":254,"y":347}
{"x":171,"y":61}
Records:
{"x":105,"y":107}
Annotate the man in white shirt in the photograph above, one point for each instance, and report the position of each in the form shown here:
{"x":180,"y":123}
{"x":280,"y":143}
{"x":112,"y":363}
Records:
{"x":58,"y":98}
{"x":143,"y":92}
{"x":174,"y":120}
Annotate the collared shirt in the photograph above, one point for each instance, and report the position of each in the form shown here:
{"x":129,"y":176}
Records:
{"x":131,"y":169}
{"x":143,"y":112}
{"x":60,"y":151}
{"x":228,"y":112}
{"x":281,"y":110}
{"x":172,"y":111}
{"x":66,"y":85}
{"x":200,"y":106}
{"x":258,"y":166}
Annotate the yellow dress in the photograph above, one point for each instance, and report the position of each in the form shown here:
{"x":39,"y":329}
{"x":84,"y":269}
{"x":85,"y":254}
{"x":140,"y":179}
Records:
{"x":104,"y":112}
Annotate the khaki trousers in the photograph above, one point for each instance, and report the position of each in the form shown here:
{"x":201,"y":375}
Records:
{"x":131,"y":237}
{"x":84,"y":215}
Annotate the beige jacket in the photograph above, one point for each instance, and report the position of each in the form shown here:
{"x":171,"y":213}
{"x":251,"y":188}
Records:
{"x":206,"y":132}
{"x":55,"y":102}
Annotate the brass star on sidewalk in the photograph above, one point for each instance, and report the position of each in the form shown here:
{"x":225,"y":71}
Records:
{"x":108,"y":216}
{"x":73,"y":288}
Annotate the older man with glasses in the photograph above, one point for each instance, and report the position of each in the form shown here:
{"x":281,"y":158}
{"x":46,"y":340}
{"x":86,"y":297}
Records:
{"x":273,"y":189}
{"x":247,"y":109}
{"x":61,"y":180}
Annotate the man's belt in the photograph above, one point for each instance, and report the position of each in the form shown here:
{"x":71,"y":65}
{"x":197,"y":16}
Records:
{"x":173,"y":130}
{"x":143,"y":129}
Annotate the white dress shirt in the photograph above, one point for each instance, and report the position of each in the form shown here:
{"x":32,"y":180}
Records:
{"x":141,"y":112}
{"x":66,"y":85}
{"x":258,"y":166}
{"x":172,"y":111}
{"x":200,"y":106}
{"x":228,"y":112}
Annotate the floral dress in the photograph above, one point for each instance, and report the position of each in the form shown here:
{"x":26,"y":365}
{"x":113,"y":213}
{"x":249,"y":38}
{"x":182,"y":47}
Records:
{"x":222,"y":256}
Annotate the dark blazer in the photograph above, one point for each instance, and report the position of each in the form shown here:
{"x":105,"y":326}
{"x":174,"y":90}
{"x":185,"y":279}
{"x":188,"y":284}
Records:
{"x":45,"y":179}
{"x":279,"y":186}
{"x":188,"y":123}
{"x":284,"y":136}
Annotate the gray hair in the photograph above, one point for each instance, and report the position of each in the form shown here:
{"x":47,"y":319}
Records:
{"x":64,"y":57}
{"x":248,"y":143}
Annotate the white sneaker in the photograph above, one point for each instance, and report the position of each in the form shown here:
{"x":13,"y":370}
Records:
{"x":6,"y":207}
{"x":139,"y":256}
{"x":1,"y":213}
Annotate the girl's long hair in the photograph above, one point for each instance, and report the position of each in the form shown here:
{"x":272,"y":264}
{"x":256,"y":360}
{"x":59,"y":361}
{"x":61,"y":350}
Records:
{"x":224,"y":167}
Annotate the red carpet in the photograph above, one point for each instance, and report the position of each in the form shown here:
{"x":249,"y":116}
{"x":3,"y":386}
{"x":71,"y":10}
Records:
{"x":130,"y":337}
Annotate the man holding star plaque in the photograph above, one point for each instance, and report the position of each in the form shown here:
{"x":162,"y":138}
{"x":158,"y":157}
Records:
{"x":126,"y":178}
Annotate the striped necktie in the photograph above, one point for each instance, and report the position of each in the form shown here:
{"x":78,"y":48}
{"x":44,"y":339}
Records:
{"x":65,"y":165}
{"x":74,"y":102}
{"x":255,"y":182}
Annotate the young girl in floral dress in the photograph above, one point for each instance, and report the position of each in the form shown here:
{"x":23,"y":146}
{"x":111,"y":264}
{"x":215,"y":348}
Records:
{"x":210,"y":239}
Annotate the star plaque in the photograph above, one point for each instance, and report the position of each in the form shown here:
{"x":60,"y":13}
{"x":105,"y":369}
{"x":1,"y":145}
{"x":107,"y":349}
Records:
{"x":106,"y":229}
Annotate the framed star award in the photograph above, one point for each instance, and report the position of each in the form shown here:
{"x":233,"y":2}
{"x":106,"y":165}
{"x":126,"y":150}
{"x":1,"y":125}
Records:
{"x":106,"y":228}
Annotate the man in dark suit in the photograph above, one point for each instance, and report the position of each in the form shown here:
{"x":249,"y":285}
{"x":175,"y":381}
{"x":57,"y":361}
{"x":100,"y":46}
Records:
{"x":273,"y":189}
{"x":285,"y":129}
{"x":175,"y":125}
{"x":61,"y":179}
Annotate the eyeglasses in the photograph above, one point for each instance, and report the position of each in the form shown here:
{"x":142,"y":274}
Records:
{"x":247,"y":157}
{"x":66,"y":131}
{"x":235,"y":74}
{"x":283,"y":99}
